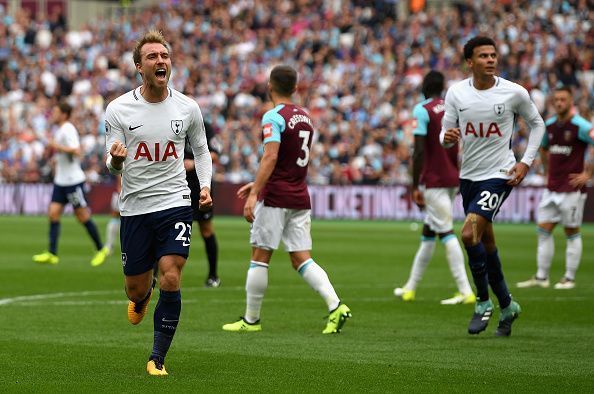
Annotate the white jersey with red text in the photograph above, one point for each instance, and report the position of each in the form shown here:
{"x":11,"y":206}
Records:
{"x":486,"y":119}
{"x":68,"y":169}
{"x":153,"y":177}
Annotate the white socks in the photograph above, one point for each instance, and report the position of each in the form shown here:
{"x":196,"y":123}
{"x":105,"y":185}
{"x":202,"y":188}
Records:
{"x":420,"y":263}
{"x":255,"y":287}
{"x":112,"y":231}
{"x":573,"y":255}
{"x":546,"y":250}
{"x":455,"y":259}
{"x":544,"y":253}
{"x":317,"y":278}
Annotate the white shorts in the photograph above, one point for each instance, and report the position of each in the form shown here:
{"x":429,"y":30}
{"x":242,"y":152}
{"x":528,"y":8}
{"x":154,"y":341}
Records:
{"x":273,"y":224}
{"x":566,"y":208}
{"x":115,"y":202}
{"x":439,"y":203}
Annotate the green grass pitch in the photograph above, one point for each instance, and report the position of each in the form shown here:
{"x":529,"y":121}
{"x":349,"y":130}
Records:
{"x":63,"y":328}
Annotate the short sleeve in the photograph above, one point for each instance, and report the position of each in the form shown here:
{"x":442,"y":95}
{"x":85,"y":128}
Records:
{"x":585,"y":131}
{"x":273,"y":124}
{"x":421,"y":120}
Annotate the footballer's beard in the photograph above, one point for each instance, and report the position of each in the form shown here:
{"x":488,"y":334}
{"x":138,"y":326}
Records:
{"x":154,"y":83}
{"x":563,"y":113}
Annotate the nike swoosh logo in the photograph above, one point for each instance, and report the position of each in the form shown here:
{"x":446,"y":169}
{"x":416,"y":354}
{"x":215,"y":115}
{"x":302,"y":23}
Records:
{"x":168,"y":321}
{"x":463,"y":109}
{"x":133,"y":128}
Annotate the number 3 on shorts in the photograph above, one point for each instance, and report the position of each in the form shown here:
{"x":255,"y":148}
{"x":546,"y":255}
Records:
{"x":181,"y":226}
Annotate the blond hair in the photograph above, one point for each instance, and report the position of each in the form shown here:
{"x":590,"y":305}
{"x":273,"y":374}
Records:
{"x":152,"y":36}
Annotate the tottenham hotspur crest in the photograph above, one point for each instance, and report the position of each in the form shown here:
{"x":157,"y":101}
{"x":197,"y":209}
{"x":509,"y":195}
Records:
{"x":499,"y":109}
{"x":177,"y":126}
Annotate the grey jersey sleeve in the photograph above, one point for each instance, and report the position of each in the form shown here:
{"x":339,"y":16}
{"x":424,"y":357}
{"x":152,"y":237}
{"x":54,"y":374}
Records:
{"x":113,"y":133}
{"x":199,"y":145}
{"x":528,"y":111}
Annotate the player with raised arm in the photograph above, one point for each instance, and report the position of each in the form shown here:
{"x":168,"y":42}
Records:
{"x":435,"y":184}
{"x":202,"y":216}
{"x":146,"y":133}
{"x":564,"y":147}
{"x":278,"y":205}
{"x":69,"y":182}
{"x":481,"y":112}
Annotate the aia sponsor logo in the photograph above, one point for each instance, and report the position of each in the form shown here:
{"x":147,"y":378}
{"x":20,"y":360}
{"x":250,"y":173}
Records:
{"x":267,"y":130}
{"x":482,"y":130}
{"x":155,"y":152}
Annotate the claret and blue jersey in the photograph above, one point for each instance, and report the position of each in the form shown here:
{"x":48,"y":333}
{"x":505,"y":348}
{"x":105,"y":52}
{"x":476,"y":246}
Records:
{"x":291,"y":127}
{"x":566,"y":142}
{"x":440,"y":166}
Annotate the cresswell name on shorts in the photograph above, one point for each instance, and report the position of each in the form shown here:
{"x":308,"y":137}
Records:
{"x":482,"y":130}
{"x":560,"y":150}
{"x":155,"y":152}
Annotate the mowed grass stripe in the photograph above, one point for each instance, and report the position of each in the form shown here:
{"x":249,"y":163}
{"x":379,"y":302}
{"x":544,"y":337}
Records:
{"x":388,"y":346}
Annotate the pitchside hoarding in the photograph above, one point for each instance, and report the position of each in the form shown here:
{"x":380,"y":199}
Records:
{"x":328,"y":202}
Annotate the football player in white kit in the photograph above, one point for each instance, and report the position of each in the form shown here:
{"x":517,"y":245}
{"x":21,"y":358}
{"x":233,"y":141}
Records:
{"x":69,"y":182}
{"x":481,"y":111}
{"x":146,"y":130}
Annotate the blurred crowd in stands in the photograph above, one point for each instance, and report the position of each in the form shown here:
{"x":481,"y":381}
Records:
{"x":360,"y":66}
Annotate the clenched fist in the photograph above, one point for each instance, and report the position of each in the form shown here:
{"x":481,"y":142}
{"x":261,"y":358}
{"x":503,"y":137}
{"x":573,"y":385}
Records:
{"x":452,"y":135}
{"x":118,"y":153}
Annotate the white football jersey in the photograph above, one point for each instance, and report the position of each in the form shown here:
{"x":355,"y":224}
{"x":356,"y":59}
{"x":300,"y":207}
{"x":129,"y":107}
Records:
{"x":68,"y":169}
{"x":153,"y":177}
{"x":486,"y":120}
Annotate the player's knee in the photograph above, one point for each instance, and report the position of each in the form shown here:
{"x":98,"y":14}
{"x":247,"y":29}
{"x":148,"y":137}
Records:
{"x":298,"y":258}
{"x":546,"y":227}
{"x":570,"y":231}
{"x":169,"y":280}
{"x":467,"y":236}
{"x":53,"y":217}
{"x":445,"y":234}
{"x":427,"y":232}
{"x":136,"y":292}
{"x":206,"y":232}
{"x":82,"y":215}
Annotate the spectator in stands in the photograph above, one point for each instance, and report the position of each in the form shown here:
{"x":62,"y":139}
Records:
{"x":360,"y":69}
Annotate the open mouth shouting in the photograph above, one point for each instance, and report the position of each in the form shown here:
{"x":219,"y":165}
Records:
{"x":161,"y":74}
